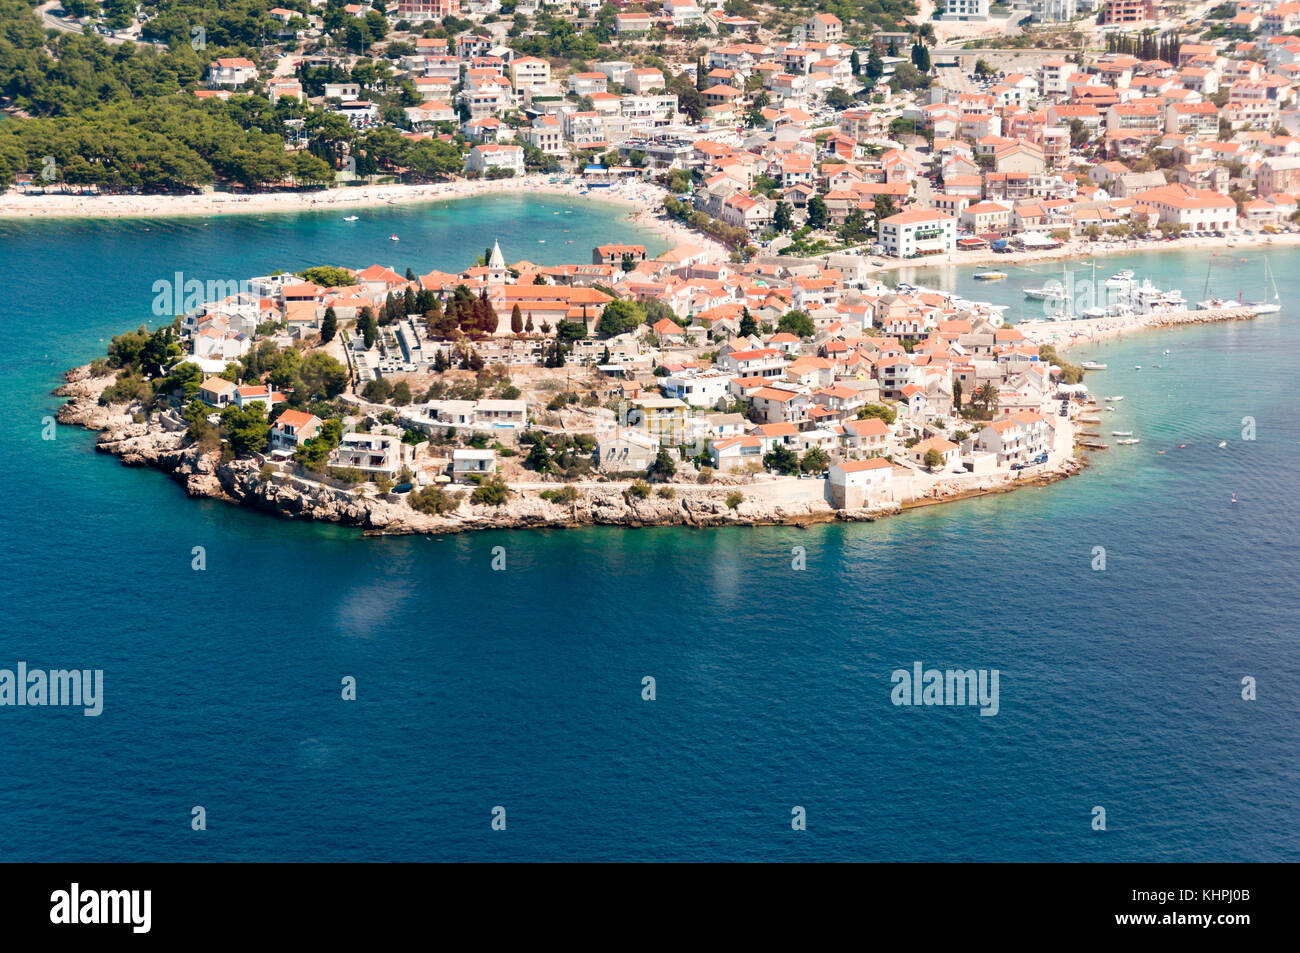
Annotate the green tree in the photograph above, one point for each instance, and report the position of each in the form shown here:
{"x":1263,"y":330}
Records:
{"x":797,"y":323}
{"x":877,"y":410}
{"x":368,"y":326}
{"x":321,"y":377}
{"x":539,"y":458}
{"x":329,"y":326}
{"x":663,"y":467}
{"x":491,"y":492}
{"x":619,"y":317}
{"x":783,"y":217}
{"x":817,"y":212}
{"x":920,"y":57}
{"x":247,"y":429}
{"x":815,"y":460}
{"x":781,"y":459}
{"x":875,"y":66}
{"x":748,"y":326}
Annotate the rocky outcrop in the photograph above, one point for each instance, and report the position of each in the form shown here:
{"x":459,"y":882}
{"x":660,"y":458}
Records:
{"x":160,"y":441}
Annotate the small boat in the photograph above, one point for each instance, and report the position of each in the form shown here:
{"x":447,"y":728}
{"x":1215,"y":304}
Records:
{"x":1266,"y":306}
{"x":1115,"y":397}
{"x":351,"y":218}
{"x":1222,"y":444}
{"x":1093,"y":366}
{"x":1121,"y":433}
{"x":990,"y":275}
{"x":1128,"y":442}
{"x":1234,"y":497}
{"x":393,"y":238}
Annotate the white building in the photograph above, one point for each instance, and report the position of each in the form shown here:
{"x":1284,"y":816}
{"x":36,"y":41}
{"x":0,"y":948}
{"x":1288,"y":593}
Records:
{"x":487,"y":156}
{"x":854,"y":484}
{"x":529,"y":72}
{"x":374,"y":453}
{"x":467,"y":461}
{"x":966,"y":10}
{"x":231,"y":71}
{"x":1054,"y":11}
{"x":918,"y":232}
{"x":698,"y":390}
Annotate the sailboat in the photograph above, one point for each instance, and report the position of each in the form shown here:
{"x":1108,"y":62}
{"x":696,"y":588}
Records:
{"x":1266,"y":306}
{"x":1208,"y":303}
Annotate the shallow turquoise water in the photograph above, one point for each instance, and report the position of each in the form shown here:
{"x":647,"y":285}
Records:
{"x":522,"y":688}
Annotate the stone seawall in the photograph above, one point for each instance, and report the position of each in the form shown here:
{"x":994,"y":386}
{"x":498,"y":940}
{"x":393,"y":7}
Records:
{"x":1175,"y":318}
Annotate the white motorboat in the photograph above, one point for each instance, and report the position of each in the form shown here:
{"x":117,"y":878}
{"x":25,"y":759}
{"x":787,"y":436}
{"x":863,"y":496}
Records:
{"x":1048,"y":292}
{"x":1115,"y":398}
{"x":351,"y":218}
{"x":1129,"y":442}
{"x":1093,"y":366}
{"x":1121,"y":433}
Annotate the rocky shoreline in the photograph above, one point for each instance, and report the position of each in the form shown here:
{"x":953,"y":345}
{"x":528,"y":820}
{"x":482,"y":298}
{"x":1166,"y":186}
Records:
{"x":160,"y":441}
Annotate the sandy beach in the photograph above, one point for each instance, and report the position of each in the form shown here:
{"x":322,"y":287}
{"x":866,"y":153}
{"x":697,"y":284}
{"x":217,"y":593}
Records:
{"x":641,"y":198}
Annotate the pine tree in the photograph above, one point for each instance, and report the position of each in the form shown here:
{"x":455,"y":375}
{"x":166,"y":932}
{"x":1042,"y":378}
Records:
{"x":409,"y":302}
{"x":875,"y":66}
{"x":368,"y":326}
{"x":329,"y":326}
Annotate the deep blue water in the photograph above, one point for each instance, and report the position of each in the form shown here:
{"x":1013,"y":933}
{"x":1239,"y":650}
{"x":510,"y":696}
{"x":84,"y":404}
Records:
{"x":522,"y":688}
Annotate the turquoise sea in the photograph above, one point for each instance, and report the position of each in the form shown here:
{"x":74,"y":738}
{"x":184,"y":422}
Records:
{"x":522,"y":689}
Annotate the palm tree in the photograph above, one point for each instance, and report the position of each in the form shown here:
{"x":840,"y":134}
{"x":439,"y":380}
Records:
{"x":985,"y":394}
